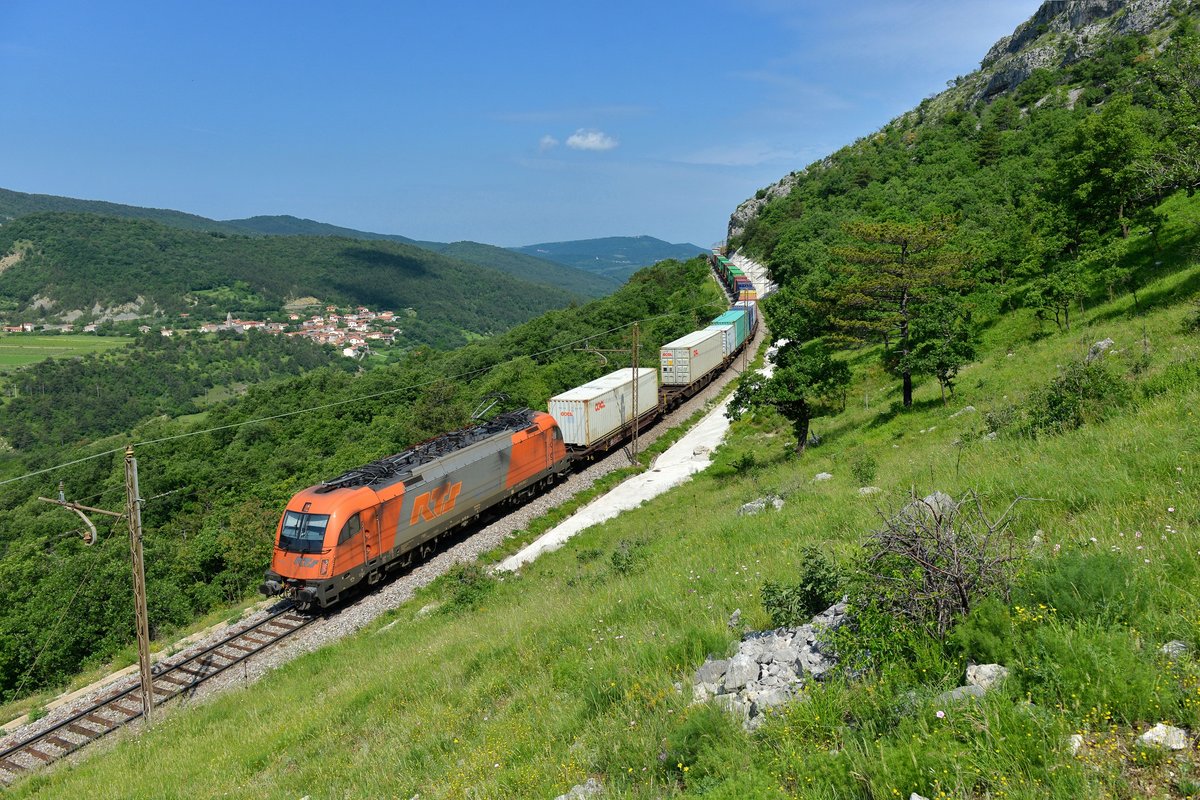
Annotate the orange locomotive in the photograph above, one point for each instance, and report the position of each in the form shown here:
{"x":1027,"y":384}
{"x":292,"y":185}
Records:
{"x":382,"y":514}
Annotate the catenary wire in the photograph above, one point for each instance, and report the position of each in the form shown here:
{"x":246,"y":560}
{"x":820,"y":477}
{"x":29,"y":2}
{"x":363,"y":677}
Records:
{"x":460,"y":376}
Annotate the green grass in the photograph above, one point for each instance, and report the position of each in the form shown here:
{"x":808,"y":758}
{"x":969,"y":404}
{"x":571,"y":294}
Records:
{"x":22,"y":349}
{"x":580,"y":666}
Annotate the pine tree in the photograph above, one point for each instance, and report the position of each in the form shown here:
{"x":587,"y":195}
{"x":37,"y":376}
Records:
{"x":896,"y":271}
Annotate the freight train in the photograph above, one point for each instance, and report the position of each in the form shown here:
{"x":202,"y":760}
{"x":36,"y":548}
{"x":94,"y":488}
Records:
{"x":389,"y":512}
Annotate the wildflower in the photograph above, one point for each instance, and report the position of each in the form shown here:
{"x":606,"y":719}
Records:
{"x":941,"y":714}
{"x":1092,"y":539}
{"x":1171,"y":509}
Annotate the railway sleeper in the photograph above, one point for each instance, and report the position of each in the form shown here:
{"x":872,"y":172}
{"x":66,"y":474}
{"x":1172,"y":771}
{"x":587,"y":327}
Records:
{"x":62,"y":744}
{"x":45,"y":758}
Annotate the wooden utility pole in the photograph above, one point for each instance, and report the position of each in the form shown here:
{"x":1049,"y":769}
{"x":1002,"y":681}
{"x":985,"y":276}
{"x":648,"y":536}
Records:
{"x":633,"y":443}
{"x":133,"y":510}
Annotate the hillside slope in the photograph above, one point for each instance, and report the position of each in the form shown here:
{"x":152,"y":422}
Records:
{"x":525,"y":267}
{"x":80,"y":262}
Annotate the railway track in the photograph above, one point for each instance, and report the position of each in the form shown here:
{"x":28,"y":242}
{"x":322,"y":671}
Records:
{"x":174,"y":677}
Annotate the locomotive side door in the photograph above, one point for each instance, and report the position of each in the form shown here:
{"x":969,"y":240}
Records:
{"x":370,"y":531}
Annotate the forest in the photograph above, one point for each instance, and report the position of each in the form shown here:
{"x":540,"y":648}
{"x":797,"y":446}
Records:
{"x":71,"y":401}
{"x":214,"y":494}
{"x":80,"y":261}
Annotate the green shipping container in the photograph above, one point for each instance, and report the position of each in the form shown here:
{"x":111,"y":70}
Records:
{"x":737,"y":319}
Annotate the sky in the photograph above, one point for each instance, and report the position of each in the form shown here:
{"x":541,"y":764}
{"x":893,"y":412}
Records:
{"x":507,"y":123}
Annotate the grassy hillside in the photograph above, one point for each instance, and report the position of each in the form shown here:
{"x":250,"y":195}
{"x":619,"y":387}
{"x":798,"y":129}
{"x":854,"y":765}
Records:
{"x":613,"y":257}
{"x":581,"y":666}
{"x":80,"y":260}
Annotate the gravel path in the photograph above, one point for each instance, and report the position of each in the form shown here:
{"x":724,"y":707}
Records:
{"x":350,"y":618}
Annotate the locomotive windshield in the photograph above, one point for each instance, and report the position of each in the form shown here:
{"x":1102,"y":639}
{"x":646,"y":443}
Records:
{"x":303,"y":533}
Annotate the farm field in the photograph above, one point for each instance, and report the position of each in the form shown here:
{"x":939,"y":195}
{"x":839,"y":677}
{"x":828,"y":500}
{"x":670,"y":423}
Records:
{"x":19,"y":350}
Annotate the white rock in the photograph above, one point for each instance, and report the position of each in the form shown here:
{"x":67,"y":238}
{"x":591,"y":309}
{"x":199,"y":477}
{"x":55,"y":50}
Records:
{"x":961,"y":411}
{"x":742,"y":669}
{"x":1174,"y":649}
{"x":869,"y":490}
{"x":822,"y":476}
{"x":915,"y":796}
{"x":583,"y":790}
{"x":1098,"y":349}
{"x":986,"y":676}
{"x":1166,"y":736}
{"x":1075,"y":743}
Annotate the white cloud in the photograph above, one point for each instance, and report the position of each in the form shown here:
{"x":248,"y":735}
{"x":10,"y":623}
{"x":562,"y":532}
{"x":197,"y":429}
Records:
{"x":584,"y":139}
{"x":547,"y":142}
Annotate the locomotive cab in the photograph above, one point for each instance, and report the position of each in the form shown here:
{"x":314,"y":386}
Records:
{"x":321,"y":535}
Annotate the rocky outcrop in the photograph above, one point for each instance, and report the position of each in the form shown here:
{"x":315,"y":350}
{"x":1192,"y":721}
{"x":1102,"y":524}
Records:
{"x":1062,"y":32}
{"x":750,"y":209}
{"x":770,"y":667}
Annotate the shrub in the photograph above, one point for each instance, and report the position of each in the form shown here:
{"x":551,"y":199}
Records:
{"x":985,"y":635}
{"x":468,"y":586}
{"x":1180,"y":376}
{"x":935,"y":559}
{"x":1098,"y":586}
{"x":1191,"y":323}
{"x":1081,"y":393}
{"x":817,"y":588}
{"x":626,"y":557}
{"x":863,"y":468}
{"x":1000,"y":419}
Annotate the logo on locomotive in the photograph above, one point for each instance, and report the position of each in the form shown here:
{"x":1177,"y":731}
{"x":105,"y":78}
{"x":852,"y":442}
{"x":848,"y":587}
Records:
{"x":434,"y":503}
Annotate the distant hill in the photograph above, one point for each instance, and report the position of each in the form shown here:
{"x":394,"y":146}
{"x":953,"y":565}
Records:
{"x":613,"y":257}
{"x":287,"y":225}
{"x":529,"y":268}
{"x":83,"y":261}
{"x":19,"y":204}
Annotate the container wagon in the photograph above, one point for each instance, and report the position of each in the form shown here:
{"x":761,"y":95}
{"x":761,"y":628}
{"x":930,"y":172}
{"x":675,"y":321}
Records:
{"x":597,"y":415}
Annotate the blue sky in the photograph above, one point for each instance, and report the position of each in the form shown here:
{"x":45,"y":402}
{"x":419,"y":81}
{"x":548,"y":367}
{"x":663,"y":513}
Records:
{"x":508,"y":123}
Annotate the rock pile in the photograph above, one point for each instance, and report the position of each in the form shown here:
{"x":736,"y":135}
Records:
{"x":770,"y":667}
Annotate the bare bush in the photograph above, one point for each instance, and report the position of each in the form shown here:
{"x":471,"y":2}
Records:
{"x":936,"y":558}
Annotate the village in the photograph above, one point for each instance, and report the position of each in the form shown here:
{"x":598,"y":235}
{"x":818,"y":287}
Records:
{"x":354,"y":332}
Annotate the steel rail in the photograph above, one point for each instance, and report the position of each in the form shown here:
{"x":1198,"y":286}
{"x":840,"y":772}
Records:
{"x":170,"y":680}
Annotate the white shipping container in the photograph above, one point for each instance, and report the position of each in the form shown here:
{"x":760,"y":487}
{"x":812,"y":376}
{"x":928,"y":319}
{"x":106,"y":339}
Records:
{"x":691,"y":357}
{"x":728,"y":337}
{"x":589,"y":413}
